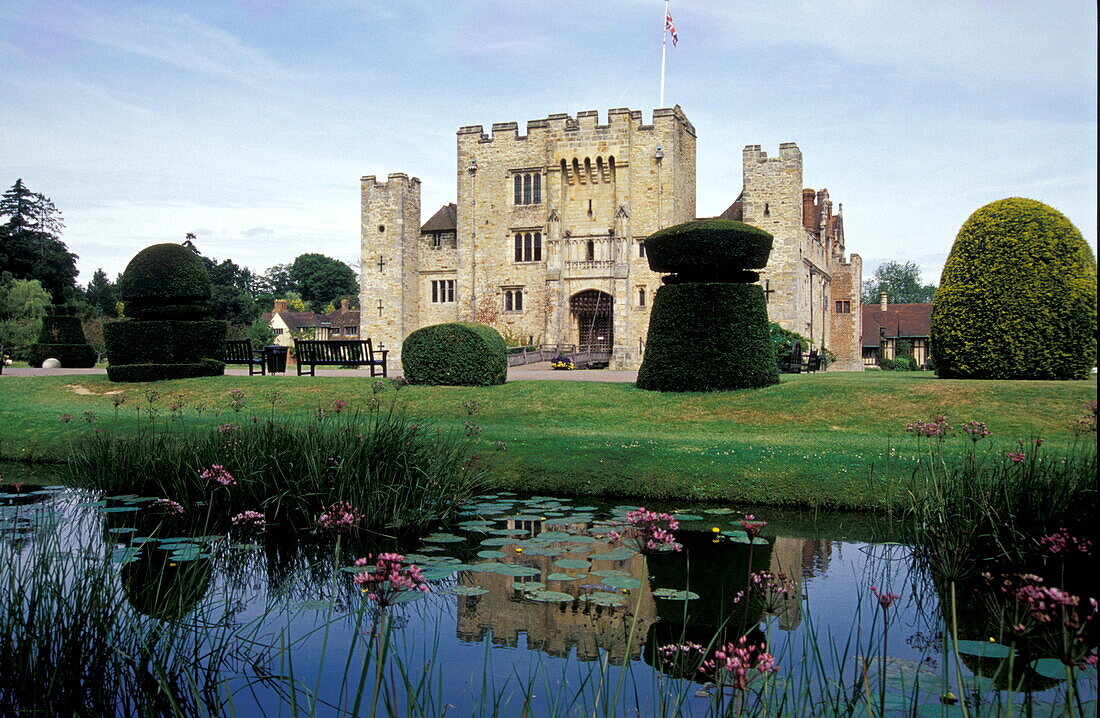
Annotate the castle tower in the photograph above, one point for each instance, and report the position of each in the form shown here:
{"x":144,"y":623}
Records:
{"x":388,"y":277}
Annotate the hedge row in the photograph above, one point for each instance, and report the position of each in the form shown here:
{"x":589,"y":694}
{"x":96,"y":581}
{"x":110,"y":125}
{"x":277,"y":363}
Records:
{"x":1017,"y":299}
{"x":455,"y":354}
{"x":709,"y":250}
{"x":160,"y":372}
{"x":171,"y":342}
{"x":708,"y":337}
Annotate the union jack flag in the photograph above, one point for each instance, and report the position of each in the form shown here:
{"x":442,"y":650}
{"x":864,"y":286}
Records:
{"x":670,"y":26}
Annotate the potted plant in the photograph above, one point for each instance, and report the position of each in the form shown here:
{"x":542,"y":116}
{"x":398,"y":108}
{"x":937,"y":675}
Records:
{"x":561,"y":362}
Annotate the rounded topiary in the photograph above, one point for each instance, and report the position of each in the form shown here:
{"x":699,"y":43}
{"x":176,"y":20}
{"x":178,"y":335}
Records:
{"x":167,"y":290}
{"x":62,"y":337}
{"x":709,"y":250}
{"x":166,"y":281}
{"x":708,"y":337}
{"x":455,"y":354}
{"x":1017,"y":299}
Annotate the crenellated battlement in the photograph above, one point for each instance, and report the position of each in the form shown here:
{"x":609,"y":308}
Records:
{"x":563,"y":124}
{"x":787,"y":151}
{"x":393,"y":178}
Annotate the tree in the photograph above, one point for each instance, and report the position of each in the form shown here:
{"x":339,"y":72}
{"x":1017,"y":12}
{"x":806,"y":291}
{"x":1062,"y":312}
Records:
{"x":276,"y":281}
{"x":1018,"y":297}
{"x":900,"y":281}
{"x":30,"y":243}
{"x":102,"y":294}
{"x":320,"y":279}
{"x":233,"y":298}
{"x":23,"y":303}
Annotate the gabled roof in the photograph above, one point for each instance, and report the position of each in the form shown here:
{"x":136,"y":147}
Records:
{"x":904,"y":321}
{"x":734,"y":211}
{"x":445,"y":220}
{"x":343,"y":318}
{"x":298,"y":320}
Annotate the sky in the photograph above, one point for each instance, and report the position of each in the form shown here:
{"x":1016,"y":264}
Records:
{"x":249,"y":123}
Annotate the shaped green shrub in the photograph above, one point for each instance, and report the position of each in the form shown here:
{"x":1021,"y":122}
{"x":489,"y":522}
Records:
{"x":62,"y":338}
{"x":716,"y":249}
{"x":166,"y":290}
{"x":731,"y":349}
{"x":166,"y":281}
{"x":455,"y":354}
{"x":1017,"y":299}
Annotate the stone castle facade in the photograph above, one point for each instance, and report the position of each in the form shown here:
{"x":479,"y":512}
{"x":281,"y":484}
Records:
{"x":545,"y":240}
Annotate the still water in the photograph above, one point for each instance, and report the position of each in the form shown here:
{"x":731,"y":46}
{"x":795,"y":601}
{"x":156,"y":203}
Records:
{"x":533,"y":609}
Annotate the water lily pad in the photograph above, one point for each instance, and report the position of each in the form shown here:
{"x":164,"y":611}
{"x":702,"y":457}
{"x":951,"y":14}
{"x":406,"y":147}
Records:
{"x":507,"y":569}
{"x":581,"y":539}
{"x":554,"y":535}
{"x":618,"y":554}
{"x":986,"y":649}
{"x":118,"y":509}
{"x":563,"y":577}
{"x":606,"y":598}
{"x":1048,"y":668}
{"x":718,"y":512}
{"x":490,"y":554}
{"x":508,"y":532}
{"x":437,"y":572}
{"x":741,"y":537}
{"x":609,"y":572}
{"x":528,"y":585}
{"x":550,"y":596}
{"x":467,"y":590}
{"x":626,"y":582}
{"x":673,"y":595}
{"x":125,"y":555}
{"x":544,"y":551}
{"x":442,"y":538}
{"x":407,"y":597}
{"x":497,"y":541}
{"x":83,"y":504}
{"x":476,"y":523}
{"x":431,"y":549}
{"x":572,"y":563}
{"x":121,"y":530}
{"x":524,"y":517}
{"x":687,"y":517}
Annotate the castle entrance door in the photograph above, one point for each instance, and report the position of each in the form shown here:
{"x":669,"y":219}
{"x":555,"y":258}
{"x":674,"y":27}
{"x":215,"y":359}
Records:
{"x":591,"y":310}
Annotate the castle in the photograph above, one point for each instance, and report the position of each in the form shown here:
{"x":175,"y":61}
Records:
{"x":545,"y":241}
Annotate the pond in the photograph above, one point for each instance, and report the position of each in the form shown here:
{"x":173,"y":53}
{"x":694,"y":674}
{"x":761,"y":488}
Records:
{"x":532,"y":608}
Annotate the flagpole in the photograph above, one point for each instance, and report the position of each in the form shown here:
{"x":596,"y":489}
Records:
{"x":664,"y":52}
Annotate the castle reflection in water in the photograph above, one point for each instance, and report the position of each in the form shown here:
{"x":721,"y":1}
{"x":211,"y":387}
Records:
{"x":557,"y":628}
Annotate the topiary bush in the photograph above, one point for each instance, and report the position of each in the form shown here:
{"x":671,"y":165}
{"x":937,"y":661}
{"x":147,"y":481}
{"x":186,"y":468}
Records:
{"x":708,"y":329}
{"x":62,"y":338}
{"x":166,"y":290}
{"x":709,"y":250}
{"x":166,"y":281}
{"x":1017,"y":299}
{"x":731,"y":349}
{"x":455,"y":354}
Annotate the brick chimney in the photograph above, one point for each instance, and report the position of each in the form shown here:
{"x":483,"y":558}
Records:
{"x":882,"y":303}
{"x":280,"y":306}
{"x":808,"y":210}
{"x":344,"y":305}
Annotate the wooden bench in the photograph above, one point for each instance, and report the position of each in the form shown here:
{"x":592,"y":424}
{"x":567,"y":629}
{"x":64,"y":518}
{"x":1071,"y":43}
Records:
{"x":790,"y":362}
{"x":338,"y":352}
{"x":240,"y":351}
{"x":813,"y":362}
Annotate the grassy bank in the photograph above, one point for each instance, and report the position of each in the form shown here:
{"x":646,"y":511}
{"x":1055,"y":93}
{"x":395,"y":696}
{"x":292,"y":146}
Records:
{"x":831,"y":439}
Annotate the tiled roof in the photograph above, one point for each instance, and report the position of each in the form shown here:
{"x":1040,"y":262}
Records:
{"x":735,"y":210}
{"x":297,"y":320}
{"x":343,"y":318}
{"x":445,"y":220}
{"x":899,"y":320}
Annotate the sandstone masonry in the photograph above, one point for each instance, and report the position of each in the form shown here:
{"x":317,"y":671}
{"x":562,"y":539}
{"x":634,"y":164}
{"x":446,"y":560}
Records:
{"x":545,"y":240}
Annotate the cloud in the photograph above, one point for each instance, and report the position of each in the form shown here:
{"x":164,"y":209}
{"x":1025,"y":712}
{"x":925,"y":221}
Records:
{"x":258,"y":232}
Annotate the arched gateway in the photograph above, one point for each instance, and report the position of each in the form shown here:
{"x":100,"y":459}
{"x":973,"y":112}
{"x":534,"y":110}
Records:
{"x":591,"y":310}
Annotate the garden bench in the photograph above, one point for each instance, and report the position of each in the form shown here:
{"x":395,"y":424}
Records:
{"x":813,"y":362}
{"x":338,"y":352}
{"x":240,"y":351}
{"x":791,"y":362}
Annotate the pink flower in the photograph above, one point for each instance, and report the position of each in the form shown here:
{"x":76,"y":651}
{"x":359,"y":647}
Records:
{"x":228,"y":428}
{"x":172,"y":508}
{"x":938,"y":428}
{"x":884,"y":599}
{"x":218,"y":475}
{"x":339,"y":405}
{"x":1062,"y":542}
{"x":738,"y":664}
{"x":254,"y":519}
{"x":341,"y":516}
{"x":386,"y":579}
{"x":976,"y":430}
{"x":751,"y":527}
{"x":1016,"y":456}
{"x":647,"y":533}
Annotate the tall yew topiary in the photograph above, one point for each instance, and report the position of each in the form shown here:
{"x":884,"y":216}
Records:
{"x":708,"y":330}
{"x":1017,"y":299}
{"x":168,"y":334}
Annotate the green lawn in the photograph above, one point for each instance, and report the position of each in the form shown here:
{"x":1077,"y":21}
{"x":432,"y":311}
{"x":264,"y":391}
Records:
{"x":832,"y":439}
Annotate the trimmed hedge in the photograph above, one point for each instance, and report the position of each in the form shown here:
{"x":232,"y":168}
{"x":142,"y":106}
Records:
{"x":62,"y":338}
{"x":709,"y":250}
{"x":141,"y":341}
{"x":455,"y":354}
{"x":166,"y":281}
{"x":708,"y":337}
{"x":71,"y":356}
{"x":1017,"y":299}
{"x":160,"y":372}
